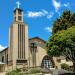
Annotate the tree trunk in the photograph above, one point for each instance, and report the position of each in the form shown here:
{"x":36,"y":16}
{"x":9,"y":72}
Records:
{"x":74,"y":68}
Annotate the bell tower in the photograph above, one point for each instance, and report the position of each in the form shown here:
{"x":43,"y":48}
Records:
{"x":18,"y":40}
{"x":18,"y":15}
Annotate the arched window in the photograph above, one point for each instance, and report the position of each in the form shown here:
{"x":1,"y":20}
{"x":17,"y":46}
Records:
{"x":47,"y":62}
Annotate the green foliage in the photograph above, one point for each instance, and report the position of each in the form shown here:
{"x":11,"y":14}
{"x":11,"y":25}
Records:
{"x":62,"y":42}
{"x":19,"y":72}
{"x":34,"y":71}
{"x":65,"y":66}
{"x":67,"y":20}
{"x":14,"y":72}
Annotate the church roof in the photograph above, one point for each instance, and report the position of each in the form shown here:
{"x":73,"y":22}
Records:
{"x":34,"y":38}
{"x":18,"y":9}
{"x":38,"y":39}
{"x":4,"y":49}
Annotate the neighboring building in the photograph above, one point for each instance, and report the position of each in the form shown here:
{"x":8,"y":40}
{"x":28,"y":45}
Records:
{"x":22,"y":51}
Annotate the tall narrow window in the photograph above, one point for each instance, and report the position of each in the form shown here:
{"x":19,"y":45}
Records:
{"x":22,"y":41}
{"x":18,"y":40}
{"x":2,"y":58}
{"x":7,"y":58}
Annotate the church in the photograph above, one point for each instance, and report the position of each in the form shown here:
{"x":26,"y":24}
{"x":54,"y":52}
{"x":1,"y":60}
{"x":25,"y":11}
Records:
{"x":24,"y":51}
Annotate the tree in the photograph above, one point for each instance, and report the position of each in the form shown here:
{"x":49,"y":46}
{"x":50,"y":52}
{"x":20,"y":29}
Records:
{"x":63,"y":43}
{"x":67,"y":20}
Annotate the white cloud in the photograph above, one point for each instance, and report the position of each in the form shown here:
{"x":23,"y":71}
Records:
{"x":48,"y":29}
{"x":35,"y":14}
{"x":50,"y":15}
{"x":66,"y":4}
{"x":2,"y":47}
{"x":44,"y":11}
{"x":56,"y":5}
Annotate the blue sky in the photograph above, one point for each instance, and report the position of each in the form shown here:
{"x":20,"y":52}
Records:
{"x":38,"y":14}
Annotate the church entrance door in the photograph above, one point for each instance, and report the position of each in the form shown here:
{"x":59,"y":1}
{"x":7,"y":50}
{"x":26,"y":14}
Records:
{"x":47,"y":62}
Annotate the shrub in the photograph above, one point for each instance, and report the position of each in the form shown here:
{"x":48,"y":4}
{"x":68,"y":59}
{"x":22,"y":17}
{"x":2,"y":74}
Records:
{"x":34,"y":70}
{"x":18,"y":72}
{"x":65,"y":66}
{"x":14,"y":72}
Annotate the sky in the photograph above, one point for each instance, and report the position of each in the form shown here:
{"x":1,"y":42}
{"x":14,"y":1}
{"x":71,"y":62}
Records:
{"x":38,"y":14}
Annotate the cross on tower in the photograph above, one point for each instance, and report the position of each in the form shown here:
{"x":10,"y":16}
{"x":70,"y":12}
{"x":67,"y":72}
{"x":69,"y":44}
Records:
{"x":18,"y":4}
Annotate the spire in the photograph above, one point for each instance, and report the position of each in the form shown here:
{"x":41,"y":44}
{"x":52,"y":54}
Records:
{"x":18,"y":4}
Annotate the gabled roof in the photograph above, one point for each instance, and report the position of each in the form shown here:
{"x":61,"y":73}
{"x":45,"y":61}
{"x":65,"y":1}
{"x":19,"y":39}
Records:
{"x":4,"y":50}
{"x":38,"y":39}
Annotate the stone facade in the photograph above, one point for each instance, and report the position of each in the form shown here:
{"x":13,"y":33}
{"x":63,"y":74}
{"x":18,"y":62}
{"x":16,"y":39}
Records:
{"x":25,"y":52}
